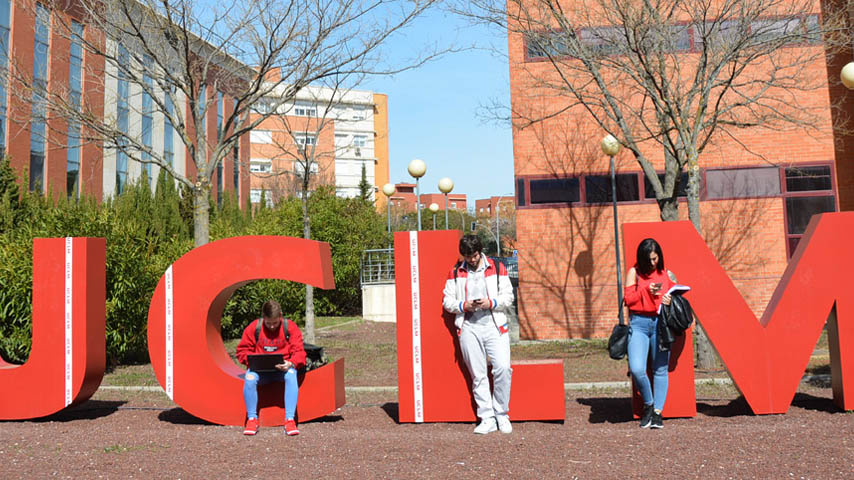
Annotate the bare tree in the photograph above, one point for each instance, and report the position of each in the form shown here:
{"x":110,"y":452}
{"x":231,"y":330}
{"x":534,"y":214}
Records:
{"x":177,"y":53}
{"x":303,"y":149}
{"x":669,"y":78}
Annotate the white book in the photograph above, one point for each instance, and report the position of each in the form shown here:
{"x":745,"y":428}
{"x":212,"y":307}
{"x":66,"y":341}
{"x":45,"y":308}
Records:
{"x":675,"y":289}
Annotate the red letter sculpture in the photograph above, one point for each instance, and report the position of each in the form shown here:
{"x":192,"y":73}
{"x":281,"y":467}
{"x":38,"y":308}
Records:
{"x":432,"y":379}
{"x":184,"y":321}
{"x":66,"y":362}
{"x":767,"y":359}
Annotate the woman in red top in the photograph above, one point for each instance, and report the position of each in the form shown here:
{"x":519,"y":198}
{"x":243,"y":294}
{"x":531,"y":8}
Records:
{"x":646,"y":286}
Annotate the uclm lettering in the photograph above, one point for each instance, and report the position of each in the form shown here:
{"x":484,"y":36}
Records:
{"x":766,"y":358}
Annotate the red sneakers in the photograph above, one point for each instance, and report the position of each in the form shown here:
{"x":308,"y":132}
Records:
{"x":291,"y":428}
{"x":251,"y":427}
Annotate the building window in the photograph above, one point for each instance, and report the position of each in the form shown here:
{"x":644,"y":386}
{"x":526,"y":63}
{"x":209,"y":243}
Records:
{"x":260,"y":166}
{"x":649,"y":192}
{"x":219,"y":115}
{"x":304,"y":139}
{"x":261,"y":136}
{"x":147,"y":121}
{"x":597,"y":188}
{"x":520,"y":192}
{"x":743,"y":183}
{"x":122,"y":119}
{"x":262,"y":106}
{"x":37,"y":126}
{"x":554,"y":190}
{"x":75,"y":90}
{"x":808,"y":179}
{"x":202,"y":106}
{"x":4,"y":62}
{"x":168,"y":131}
{"x":299,"y":168}
{"x":236,"y":163}
{"x":808,"y":191}
{"x":305,"y":111}
{"x":256,"y":194}
{"x":359,"y":140}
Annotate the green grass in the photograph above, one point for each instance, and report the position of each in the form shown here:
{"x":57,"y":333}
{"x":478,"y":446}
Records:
{"x":326,"y":322}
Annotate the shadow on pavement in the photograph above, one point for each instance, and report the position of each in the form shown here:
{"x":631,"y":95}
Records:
{"x":735,"y":407}
{"x":179,"y":416}
{"x":739,"y":406}
{"x":392,"y":409}
{"x":326,"y":419}
{"x":608,"y":410}
{"x":811,"y":402}
{"x":88,"y":410}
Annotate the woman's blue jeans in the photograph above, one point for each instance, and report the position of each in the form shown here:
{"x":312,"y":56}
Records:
{"x":643,"y":344}
{"x":252,"y":380}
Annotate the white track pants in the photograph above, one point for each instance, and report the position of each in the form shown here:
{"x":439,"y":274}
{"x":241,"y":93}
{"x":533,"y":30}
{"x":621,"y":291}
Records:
{"x":479,"y":340}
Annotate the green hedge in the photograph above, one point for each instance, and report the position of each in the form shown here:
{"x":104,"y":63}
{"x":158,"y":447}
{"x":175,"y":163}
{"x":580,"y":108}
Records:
{"x":145,"y":233}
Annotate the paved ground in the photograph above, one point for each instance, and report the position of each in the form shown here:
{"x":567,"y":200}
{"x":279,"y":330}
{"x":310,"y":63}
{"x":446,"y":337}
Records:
{"x":142,"y":435}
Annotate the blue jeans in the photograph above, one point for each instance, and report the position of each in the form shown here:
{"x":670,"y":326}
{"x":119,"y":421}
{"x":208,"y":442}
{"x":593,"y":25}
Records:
{"x":643,"y":343}
{"x":252,"y":380}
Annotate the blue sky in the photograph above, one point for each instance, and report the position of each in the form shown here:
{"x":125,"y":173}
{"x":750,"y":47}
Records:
{"x":433,"y":110}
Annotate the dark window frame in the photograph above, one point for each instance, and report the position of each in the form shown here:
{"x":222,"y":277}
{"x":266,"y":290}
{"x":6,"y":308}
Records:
{"x":785,"y":194}
{"x":693,"y":46}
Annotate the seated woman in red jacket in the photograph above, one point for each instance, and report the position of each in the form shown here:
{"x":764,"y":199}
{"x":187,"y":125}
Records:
{"x":276,"y":335}
{"x":645,"y":283}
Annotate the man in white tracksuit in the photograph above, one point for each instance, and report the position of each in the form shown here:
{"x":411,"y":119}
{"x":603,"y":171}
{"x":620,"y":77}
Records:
{"x":479,"y":294}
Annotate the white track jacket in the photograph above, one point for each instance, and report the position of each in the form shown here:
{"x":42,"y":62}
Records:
{"x":498,"y":289}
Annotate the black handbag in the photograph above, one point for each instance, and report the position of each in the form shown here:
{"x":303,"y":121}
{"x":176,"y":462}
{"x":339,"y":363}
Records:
{"x":618,"y":343}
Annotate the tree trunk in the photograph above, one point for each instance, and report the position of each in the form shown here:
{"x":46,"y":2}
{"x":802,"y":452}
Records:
{"x":308,"y":333}
{"x":705,"y":357}
{"x":669,"y":209}
{"x":201,"y":213}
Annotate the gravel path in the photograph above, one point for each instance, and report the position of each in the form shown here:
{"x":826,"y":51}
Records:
{"x":142,"y":435}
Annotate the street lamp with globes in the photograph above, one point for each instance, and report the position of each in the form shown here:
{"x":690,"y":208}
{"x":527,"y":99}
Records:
{"x":417,"y":168}
{"x":388,"y":191}
{"x":445,"y":186}
{"x":847,"y":76}
{"x":434,"y":207}
{"x":611,"y":146}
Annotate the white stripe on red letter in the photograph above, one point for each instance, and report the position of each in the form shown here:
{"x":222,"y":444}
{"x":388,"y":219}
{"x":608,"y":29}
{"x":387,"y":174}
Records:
{"x":416,"y":328}
{"x":169,"y":331}
{"x":69,"y":331}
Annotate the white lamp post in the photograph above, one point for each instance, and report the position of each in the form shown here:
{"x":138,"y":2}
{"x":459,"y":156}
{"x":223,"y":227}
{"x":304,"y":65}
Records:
{"x":611,"y":146}
{"x":445,"y":186}
{"x":434,"y":207}
{"x":847,"y":76}
{"x":388,"y":191}
{"x":417,"y":168}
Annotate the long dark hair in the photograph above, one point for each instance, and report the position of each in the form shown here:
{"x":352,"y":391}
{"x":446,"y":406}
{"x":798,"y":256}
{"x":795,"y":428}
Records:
{"x":646,"y":247}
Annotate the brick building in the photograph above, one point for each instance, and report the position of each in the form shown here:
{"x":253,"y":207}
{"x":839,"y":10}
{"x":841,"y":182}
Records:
{"x":754,"y":205}
{"x":404,"y":199}
{"x":45,"y":148}
{"x":486,"y":206}
{"x":337,"y":133}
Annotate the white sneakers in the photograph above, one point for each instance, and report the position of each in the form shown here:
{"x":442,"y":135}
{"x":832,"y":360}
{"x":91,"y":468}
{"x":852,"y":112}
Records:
{"x":486,"y":425}
{"x":491,"y":424}
{"x":504,"y":424}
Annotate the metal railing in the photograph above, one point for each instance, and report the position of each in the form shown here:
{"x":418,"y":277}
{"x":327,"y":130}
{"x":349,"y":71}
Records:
{"x":377,"y":266}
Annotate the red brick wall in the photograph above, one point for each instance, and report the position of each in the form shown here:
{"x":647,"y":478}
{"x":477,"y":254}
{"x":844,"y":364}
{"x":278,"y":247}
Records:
{"x":567,"y":253}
